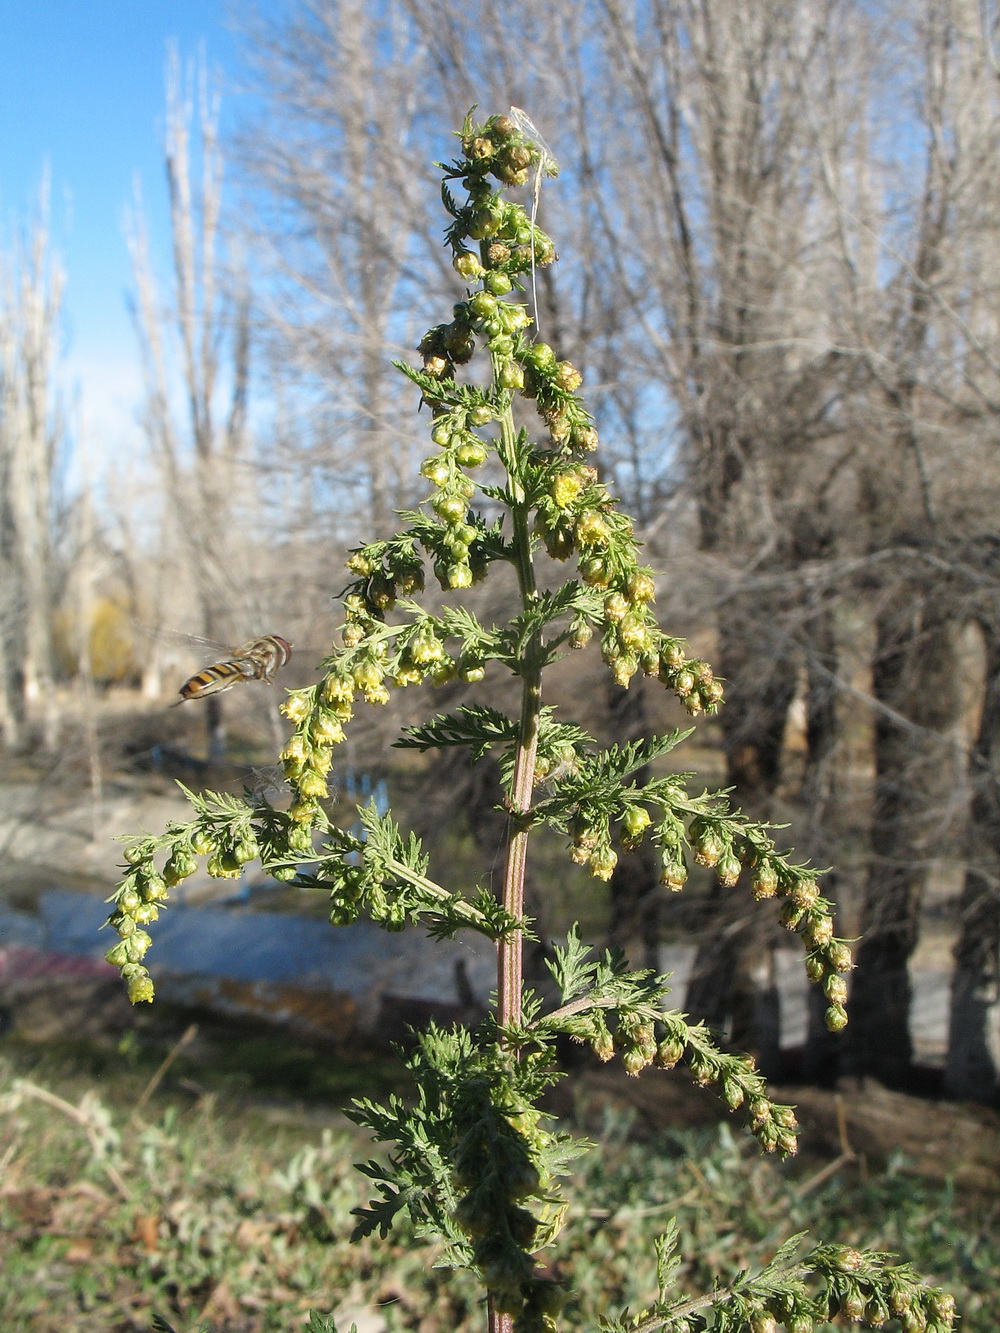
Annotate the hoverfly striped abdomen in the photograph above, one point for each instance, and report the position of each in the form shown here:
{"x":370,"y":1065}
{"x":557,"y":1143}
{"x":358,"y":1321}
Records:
{"x":257,"y":660}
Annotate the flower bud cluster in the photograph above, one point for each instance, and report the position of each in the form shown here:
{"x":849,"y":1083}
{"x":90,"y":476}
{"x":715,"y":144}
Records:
{"x":692,"y":679}
{"x":386,"y":570}
{"x":493,"y":1164}
{"x":717,"y":842}
{"x":591,"y":832}
{"x":228,"y":839}
{"x":319,"y":714}
{"x":510,"y":244}
{"x":670,"y":838}
{"x":864,"y":1288}
{"x":805,"y":911}
{"x":644,"y":1038}
{"x":135,"y":905}
{"x":458,"y":561}
{"x":552,"y":385}
{"x":736,"y":1079}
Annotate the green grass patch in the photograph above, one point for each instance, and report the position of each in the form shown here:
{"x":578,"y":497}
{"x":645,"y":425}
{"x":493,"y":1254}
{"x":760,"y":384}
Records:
{"x":229,"y":1212}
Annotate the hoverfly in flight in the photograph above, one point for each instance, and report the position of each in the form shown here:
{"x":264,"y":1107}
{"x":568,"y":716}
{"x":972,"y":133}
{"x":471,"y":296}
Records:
{"x":257,"y":660}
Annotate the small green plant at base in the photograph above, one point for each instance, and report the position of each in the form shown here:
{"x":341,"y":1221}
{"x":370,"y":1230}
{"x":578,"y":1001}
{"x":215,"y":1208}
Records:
{"x":474,"y":1163}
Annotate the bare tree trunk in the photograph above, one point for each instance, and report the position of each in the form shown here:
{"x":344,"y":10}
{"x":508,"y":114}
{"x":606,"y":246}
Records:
{"x":30,"y":427}
{"x":973,"y":1064}
{"x":727,"y":986}
{"x":914,"y":683}
{"x":820,"y":1055}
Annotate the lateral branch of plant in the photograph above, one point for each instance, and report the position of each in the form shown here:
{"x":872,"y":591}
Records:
{"x":474,"y":1161}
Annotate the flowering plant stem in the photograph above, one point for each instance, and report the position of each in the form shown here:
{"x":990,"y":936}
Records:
{"x":474,"y":1161}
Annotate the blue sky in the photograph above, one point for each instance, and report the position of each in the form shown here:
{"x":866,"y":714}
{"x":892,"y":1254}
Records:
{"x":81,"y":91}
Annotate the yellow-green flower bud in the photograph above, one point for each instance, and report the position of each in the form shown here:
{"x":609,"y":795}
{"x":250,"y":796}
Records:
{"x":804,"y":892}
{"x":635,"y":822}
{"x":367,"y":675}
{"x":852,"y":1306}
{"x":818,"y":932}
{"x":763,"y":1322}
{"x":471,"y":453}
{"x":603,"y":1046}
{"x":815,"y":970}
{"x":442,"y":671}
{"x":943,"y":1305}
{"x":615,"y":606}
{"x":581,"y":634}
{"x":789,"y":915}
{"x":764,"y":882}
{"x":708,"y":848}
{"x":497,"y":284}
{"x":602,"y":863}
{"x":684,"y":683}
{"x":732,"y":1094}
{"x":140,"y":987}
{"x":300,"y":839}
{"x":671,"y":654}
{"x":623,"y":668}
{"x":313,"y":784}
{"x":541,"y":356}
{"x":296,"y":707}
{"x":435,"y":468}
{"x":634,"y":1061}
{"x":729,"y":868}
{"x":466,"y":264}
{"x":203,"y":842}
{"x":511,"y":376}
{"x":835,"y":989}
{"x":641,"y":587}
{"x":337,"y":690}
{"x":839,"y":956}
{"x":246,"y":850}
{"x":179,"y":865}
{"x":568,"y":377}
{"x":674,"y":875}
{"x":127,"y":900}
{"x":485,"y":223}
{"x":835,"y":1018}
{"x":594,"y":572}
{"x":324,"y":730}
{"x":152,"y":887}
{"x":668,"y":1052}
{"x":565,"y":487}
{"x":633,"y":632}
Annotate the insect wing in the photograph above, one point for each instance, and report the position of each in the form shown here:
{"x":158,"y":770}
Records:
{"x":547,"y":161}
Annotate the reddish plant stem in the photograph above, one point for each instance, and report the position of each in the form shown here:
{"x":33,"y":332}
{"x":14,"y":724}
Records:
{"x":510,"y":949}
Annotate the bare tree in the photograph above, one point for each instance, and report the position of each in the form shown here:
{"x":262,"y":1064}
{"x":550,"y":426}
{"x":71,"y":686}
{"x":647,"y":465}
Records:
{"x":331,"y":167}
{"x":196,"y":357}
{"x":31,"y":430}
